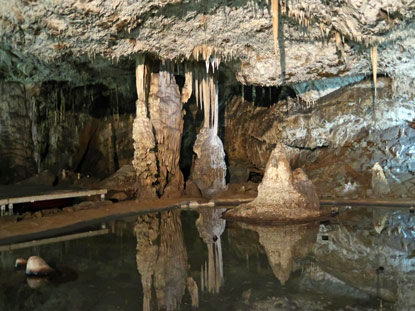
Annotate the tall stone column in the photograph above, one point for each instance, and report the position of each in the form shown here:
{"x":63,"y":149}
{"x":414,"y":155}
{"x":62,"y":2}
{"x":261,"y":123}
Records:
{"x":209,"y":167}
{"x":157,"y":132}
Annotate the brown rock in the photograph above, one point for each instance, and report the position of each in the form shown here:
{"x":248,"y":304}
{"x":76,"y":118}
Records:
{"x":192,"y":190}
{"x":37,"y":214}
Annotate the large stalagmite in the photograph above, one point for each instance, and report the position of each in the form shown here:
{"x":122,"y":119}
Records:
{"x":157,"y":133}
{"x":282,"y":194}
{"x":209,"y":168}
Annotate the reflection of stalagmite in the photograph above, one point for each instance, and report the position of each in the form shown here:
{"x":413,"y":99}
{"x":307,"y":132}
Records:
{"x":285,"y":244}
{"x":209,"y":168}
{"x":211,"y":226}
{"x":162,"y":259}
{"x":379,"y":218}
{"x":193,"y":291}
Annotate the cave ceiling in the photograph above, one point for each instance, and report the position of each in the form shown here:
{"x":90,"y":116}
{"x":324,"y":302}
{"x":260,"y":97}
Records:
{"x":83,"y":41}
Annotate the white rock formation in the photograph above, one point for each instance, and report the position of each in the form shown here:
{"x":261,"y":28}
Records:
{"x":380,"y":185}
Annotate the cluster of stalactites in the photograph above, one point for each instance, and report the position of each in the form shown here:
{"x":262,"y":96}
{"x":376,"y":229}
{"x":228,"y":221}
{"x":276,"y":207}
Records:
{"x":206,"y":93}
{"x":208,"y":55}
{"x":200,"y":80}
{"x":304,"y":18}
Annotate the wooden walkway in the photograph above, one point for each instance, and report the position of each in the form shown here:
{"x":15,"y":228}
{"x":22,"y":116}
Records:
{"x":16,"y":194}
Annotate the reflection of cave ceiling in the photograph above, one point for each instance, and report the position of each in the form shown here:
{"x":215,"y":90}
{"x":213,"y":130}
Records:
{"x":74,"y":39}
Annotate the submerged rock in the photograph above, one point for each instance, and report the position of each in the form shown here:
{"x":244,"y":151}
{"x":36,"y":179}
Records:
{"x":20,"y":263}
{"x":282,"y":194}
{"x":36,"y":266}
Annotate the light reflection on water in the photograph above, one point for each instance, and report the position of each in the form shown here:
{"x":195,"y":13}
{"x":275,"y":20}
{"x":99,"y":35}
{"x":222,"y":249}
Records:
{"x":363,"y":259}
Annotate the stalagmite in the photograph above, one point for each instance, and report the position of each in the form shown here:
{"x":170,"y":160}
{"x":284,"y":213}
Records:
{"x":374,"y":59}
{"x":157,"y":132}
{"x":380,"y":185}
{"x":209,"y":169}
{"x":282,"y":195}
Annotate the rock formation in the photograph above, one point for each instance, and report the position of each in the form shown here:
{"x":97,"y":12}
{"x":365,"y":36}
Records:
{"x":37,"y":266}
{"x":157,"y":133}
{"x":282,"y":194}
{"x":209,"y":169}
{"x":380,"y":185}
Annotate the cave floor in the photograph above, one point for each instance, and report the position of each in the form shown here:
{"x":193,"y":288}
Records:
{"x":13,"y":231}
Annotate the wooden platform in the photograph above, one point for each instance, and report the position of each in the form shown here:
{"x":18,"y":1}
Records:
{"x":16,"y":194}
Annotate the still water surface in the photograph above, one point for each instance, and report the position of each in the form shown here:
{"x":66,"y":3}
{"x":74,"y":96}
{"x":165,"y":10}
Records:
{"x":364,"y":259}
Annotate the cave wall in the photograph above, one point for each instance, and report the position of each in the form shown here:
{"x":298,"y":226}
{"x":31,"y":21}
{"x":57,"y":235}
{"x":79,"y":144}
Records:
{"x":16,"y":144}
{"x":336,"y":139}
{"x":55,"y":126}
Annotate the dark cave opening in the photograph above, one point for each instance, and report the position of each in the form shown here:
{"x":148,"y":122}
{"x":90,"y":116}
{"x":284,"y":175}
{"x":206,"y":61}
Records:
{"x":264,"y":96}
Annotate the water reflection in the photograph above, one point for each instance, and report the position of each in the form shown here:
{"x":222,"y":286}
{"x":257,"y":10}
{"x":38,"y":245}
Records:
{"x":211,"y":226}
{"x":361,"y":259}
{"x":374,"y":254}
{"x":284,"y":245}
{"x":161,"y":259}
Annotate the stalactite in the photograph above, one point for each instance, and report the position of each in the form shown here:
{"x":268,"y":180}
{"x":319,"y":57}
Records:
{"x":188,"y":85}
{"x":374,"y":59}
{"x":141,"y":74}
{"x":202,"y":278}
{"x":274,"y":12}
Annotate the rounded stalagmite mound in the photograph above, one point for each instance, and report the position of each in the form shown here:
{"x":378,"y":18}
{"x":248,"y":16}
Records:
{"x":283,"y":195}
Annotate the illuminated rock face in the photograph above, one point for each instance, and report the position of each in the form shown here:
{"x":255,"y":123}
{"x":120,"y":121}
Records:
{"x":338,"y":140}
{"x":282,"y":194}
